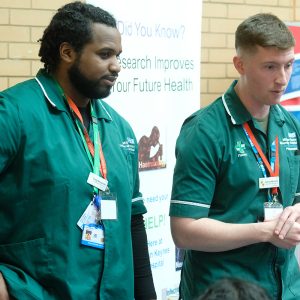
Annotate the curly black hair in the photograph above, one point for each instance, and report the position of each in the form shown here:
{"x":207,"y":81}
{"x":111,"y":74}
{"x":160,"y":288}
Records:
{"x":234,"y":289}
{"x":71,"y":24}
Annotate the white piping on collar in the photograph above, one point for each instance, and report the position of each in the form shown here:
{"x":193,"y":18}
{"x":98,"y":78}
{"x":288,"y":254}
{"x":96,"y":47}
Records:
{"x":105,"y":110}
{"x":45,"y":93}
{"x":279,"y":109}
{"x":227,"y":109}
{"x":53,"y":104}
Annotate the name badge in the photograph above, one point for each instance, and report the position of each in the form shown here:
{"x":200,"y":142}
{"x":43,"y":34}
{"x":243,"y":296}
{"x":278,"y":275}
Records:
{"x":268,"y":182}
{"x":93,"y":236}
{"x":97,"y":181}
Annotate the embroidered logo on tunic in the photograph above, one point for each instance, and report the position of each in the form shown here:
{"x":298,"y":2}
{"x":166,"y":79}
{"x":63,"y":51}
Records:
{"x":240,"y":148}
{"x":290,"y":142}
{"x":128,"y":145}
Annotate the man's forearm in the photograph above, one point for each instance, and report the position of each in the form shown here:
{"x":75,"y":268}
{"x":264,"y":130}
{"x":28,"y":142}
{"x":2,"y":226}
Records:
{"x":210,"y":235}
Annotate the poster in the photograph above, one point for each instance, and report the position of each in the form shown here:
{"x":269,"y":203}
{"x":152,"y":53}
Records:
{"x":158,"y":87}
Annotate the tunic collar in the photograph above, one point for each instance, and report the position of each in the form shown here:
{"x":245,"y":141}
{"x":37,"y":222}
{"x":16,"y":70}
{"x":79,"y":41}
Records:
{"x":238,"y":112}
{"x":57,"y":100}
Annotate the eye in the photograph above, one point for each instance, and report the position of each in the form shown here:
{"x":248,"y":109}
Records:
{"x":105,"y":54}
{"x":270,"y":67}
{"x":289,"y":65}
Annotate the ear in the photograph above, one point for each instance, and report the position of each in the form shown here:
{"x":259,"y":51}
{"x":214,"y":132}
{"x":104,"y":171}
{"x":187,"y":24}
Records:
{"x":239,"y":64}
{"x":67,"y":52}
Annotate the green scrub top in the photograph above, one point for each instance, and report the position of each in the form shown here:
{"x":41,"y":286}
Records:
{"x":44,"y":191}
{"x":216,"y":176}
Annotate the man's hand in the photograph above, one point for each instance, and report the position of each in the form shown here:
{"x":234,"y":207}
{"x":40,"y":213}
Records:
{"x":284,"y":231}
{"x":286,"y":220}
{"x":3,"y":289}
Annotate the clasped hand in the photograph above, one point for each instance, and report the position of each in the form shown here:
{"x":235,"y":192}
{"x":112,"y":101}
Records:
{"x":286,"y":233}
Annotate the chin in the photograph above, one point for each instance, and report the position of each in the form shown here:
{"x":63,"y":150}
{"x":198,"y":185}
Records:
{"x":275,"y":101}
{"x":101,"y":94}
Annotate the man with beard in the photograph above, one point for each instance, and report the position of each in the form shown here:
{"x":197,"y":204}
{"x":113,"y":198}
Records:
{"x":70,"y":207}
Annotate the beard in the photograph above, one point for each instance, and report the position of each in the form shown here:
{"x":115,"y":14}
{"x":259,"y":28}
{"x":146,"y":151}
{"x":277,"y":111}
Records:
{"x":86,"y":87}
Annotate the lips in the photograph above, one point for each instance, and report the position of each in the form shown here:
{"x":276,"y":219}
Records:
{"x":278,"y":91}
{"x":110,"y":80}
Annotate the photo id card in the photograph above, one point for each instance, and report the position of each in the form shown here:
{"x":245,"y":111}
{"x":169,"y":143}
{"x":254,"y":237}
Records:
{"x":93,"y":236}
{"x":89,"y":216}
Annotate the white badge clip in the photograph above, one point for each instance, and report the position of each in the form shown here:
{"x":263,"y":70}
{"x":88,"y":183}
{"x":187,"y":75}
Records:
{"x":97,"y":181}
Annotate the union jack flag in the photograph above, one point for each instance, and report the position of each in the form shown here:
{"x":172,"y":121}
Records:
{"x":291,"y":97}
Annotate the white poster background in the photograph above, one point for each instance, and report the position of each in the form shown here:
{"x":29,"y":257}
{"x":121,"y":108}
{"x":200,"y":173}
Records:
{"x":159,"y":85}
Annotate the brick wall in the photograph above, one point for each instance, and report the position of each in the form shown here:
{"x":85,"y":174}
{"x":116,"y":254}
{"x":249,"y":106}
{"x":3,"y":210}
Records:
{"x":23,"y":21}
{"x":21,"y":24}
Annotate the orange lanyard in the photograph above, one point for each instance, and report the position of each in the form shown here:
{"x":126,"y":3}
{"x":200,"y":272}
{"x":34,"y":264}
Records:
{"x":87,"y":140}
{"x":255,"y":144}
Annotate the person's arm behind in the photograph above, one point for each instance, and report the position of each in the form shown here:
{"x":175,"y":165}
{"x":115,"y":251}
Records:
{"x":143,"y":281}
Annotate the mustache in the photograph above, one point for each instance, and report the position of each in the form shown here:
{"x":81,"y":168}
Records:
{"x":111,"y":77}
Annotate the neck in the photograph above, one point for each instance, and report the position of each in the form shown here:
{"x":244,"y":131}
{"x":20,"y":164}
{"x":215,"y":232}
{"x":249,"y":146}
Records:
{"x":256,"y":109}
{"x":70,"y":91}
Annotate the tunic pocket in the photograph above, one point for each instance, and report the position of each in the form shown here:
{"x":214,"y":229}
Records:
{"x":294,"y":164}
{"x":29,"y":256}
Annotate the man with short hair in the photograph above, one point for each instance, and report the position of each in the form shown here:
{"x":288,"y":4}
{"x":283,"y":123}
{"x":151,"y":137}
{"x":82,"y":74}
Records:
{"x":236,"y":187}
{"x":70,"y":207}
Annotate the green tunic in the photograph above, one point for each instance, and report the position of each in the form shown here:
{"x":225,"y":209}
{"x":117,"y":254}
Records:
{"x":217,"y":175}
{"x":44,"y":191}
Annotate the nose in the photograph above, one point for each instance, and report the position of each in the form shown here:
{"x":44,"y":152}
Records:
{"x":283,"y":76}
{"x":115,"y":66}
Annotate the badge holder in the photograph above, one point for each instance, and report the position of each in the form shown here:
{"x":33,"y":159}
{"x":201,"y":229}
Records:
{"x":272,"y":209}
{"x":108,"y":206}
{"x":90,"y":223}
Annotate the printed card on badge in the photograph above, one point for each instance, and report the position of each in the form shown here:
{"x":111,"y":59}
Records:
{"x":268,"y":182}
{"x":93,"y":236}
{"x":89,"y":216}
{"x":97,"y":181}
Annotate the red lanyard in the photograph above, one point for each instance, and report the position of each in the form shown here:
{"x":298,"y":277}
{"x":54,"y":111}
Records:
{"x":272,"y":173}
{"x":90,"y":145}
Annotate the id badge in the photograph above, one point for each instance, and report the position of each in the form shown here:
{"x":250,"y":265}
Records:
{"x":272,"y":210}
{"x":268,"y":182}
{"x":108,"y":206}
{"x":93,"y":236}
{"x":90,"y":215}
{"x":97,"y":181}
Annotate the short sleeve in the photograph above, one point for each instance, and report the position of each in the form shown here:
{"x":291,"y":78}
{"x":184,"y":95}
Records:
{"x":195,"y":172}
